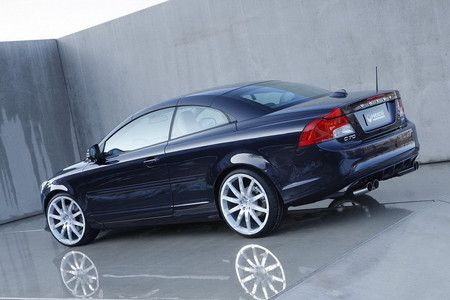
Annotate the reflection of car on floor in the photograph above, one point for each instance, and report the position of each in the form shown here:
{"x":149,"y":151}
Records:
{"x":256,"y":268}
{"x":231,"y":272}
{"x":242,"y":152}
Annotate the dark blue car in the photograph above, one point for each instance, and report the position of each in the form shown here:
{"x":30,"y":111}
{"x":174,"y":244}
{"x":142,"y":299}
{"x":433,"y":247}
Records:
{"x":244,"y":153}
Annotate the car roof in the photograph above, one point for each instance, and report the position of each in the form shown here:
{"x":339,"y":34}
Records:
{"x":213,"y":97}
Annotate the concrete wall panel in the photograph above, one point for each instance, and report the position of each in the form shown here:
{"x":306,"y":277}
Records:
{"x":36,"y":132}
{"x":178,"y":47}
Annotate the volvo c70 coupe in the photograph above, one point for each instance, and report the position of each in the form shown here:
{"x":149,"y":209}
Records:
{"x":243,"y":153}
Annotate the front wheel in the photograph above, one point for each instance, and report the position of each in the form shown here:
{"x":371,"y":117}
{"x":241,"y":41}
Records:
{"x":250,"y":204}
{"x":67,"y":222}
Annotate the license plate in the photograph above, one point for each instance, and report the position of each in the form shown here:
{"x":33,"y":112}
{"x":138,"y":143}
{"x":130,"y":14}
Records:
{"x":374,"y":117}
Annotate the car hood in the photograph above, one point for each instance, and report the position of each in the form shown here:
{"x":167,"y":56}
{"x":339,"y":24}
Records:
{"x":75,"y":168}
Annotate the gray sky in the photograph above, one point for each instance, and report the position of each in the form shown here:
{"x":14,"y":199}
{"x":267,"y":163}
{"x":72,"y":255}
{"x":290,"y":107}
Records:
{"x":44,"y":19}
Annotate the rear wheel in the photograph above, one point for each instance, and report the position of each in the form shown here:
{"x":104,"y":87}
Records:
{"x":250,"y":204}
{"x":67,"y":222}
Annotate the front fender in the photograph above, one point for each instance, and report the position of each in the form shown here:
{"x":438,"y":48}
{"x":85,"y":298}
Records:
{"x":50,"y":189}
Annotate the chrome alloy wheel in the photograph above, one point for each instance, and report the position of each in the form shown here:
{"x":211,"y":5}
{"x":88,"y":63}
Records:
{"x":66,"y":220}
{"x":259,"y":272}
{"x":244,"y":204}
{"x":79,"y":274}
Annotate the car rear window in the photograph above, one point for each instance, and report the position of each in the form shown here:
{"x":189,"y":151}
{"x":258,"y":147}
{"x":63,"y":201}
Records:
{"x":279,"y":94}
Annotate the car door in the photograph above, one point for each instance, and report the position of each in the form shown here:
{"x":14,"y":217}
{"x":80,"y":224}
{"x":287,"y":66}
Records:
{"x":195,"y":147}
{"x":132,"y":183}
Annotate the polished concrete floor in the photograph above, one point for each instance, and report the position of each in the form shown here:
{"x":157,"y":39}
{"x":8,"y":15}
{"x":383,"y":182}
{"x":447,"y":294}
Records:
{"x":393,"y":244}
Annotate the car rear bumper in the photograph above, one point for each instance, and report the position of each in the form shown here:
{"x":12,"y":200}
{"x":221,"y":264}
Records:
{"x":332,"y":166}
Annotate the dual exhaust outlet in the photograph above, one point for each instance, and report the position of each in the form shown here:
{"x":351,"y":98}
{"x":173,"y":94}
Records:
{"x":370,"y":186}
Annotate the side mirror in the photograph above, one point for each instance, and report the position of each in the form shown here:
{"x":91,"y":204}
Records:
{"x":94,"y":153}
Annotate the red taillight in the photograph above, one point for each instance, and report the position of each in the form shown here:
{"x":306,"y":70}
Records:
{"x":333,"y":125}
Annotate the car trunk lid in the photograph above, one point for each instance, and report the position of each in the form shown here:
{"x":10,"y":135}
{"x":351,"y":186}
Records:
{"x":370,"y":113}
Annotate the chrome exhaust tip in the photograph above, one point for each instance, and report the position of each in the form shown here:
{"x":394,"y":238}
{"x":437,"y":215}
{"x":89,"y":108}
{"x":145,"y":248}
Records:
{"x":375,"y":184}
{"x":370,"y":186}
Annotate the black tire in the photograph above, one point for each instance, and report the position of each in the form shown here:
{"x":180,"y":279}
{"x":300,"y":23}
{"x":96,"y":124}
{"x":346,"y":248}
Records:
{"x":277,"y":210}
{"x":87,"y":235}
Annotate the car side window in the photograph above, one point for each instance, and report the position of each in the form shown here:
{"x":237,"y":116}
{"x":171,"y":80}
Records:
{"x":150,"y":129}
{"x":191,"y":119}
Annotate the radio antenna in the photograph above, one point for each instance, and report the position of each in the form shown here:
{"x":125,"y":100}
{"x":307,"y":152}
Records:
{"x":376,"y":78}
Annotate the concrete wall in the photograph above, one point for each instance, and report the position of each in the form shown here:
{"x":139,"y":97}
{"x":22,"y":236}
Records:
{"x":36,"y":132}
{"x":177,"y":47}
{"x":49,"y":116}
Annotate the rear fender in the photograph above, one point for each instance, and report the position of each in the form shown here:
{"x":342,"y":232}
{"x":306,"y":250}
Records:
{"x":248,"y":160}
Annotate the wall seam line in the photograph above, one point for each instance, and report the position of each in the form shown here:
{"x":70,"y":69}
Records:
{"x":69,"y":100}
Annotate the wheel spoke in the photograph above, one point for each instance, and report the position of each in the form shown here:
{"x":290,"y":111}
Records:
{"x":59,"y":224}
{"x":248,"y":260}
{"x":231,"y":199}
{"x":265,"y":292}
{"x":239,"y":218}
{"x":77,"y":284}
{"x":78,"y":223}
{"x":250,"y":188}
{"x":259,"y":208}
{"x":69,"y":233}
{"x":83,"y":261}
{"x":257,"y":197}
{"x":241,"y":185}
{"x":63,"y":205}
{"x":90,"y":268}
{"x":247,"y":269}
{"x":272,"y":267}
{"x":71,"y":279}
{"x":83,"y":287}
{"x":92,"y":277}
{"x":264,"y":259}
{"x":56,"y":208}
{"x":233,"y":190}
{"x":248,"y":278}
{"x":247,"y":220}
{"x":77,"y":214}
{"x":74,"y":230}
{"x":234,"y":209}
{"x":53,"y":216}
{"x":72,"y":272}
{"x":276,"y":278}
{"x":255,"y":217}
{"x":272,"y":287}
{"x":70,"y":207}
{"x":75,"y":261}
{"x":90,"y":286}
{"x":255,"y":256}
{"x":63,"y":230}
{"x":255,"y":286}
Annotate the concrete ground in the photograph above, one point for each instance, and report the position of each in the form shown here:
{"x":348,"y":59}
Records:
{"x":394,"y":244}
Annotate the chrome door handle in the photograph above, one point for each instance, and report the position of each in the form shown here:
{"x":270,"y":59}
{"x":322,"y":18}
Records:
{"x":151,"y":160}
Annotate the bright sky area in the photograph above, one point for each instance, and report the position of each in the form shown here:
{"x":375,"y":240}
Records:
{"x":49,"y":19}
